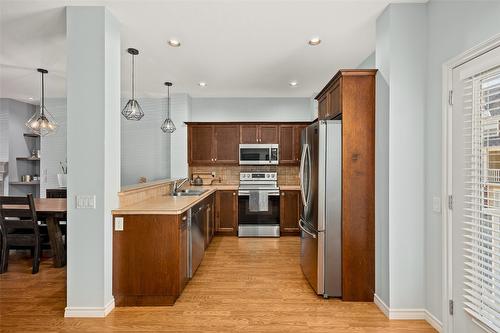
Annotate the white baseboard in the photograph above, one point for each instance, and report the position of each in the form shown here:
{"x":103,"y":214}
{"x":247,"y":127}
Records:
{"x":381,"y":305}
{"x":433,"y":321}
{"x":89,"y":312}
{"x":407,"y":314}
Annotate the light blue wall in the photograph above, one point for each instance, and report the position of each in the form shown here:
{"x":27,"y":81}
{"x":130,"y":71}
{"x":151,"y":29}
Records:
{"x":93,"y":104}
{"x":382,"y":62}
{"x":251,"y":109}
{"x":401,"y":57}
{"x":145,"y":149}
{"x":53,"y":147}
{"x":453,"y":28}
{"x":16,"y":113}
{"x":369,"y":62}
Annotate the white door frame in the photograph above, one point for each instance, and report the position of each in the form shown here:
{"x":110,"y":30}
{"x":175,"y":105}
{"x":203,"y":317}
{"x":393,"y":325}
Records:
{"x":446,"y":190}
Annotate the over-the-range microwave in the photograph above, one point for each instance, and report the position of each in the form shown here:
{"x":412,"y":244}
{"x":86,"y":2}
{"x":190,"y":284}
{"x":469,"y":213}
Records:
{"x":259,"y":154}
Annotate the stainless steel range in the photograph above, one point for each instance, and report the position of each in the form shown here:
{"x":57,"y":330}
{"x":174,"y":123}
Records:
{"x":258,"y":205}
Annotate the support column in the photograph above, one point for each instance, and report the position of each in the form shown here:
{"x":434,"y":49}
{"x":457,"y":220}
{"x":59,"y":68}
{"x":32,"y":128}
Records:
{"x":93,"y":148}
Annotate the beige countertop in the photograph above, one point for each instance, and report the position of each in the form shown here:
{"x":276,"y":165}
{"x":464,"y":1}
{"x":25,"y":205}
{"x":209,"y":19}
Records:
{"x":170,"y":205}
{"x":290,"y":187}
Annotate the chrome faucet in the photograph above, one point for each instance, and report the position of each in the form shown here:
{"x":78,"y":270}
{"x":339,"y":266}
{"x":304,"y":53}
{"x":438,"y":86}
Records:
{"x":177,"y":186}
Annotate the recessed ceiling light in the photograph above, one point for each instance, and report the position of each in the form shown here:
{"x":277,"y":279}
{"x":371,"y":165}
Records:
{"x":314,"y":41}
{"x":202,"y":84}
{"x":30,"y":98}
{"x":174,"y":43}
{"x":293,"y":83}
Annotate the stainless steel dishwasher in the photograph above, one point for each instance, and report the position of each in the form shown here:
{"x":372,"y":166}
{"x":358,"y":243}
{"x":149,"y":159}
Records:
{"x":196,"y":238}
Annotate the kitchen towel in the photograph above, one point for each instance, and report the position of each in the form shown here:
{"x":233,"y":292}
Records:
{"x":258,"y":201}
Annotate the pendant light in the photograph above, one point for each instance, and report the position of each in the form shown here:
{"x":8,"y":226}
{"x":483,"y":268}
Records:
{"x":132,"y":110}
{"x":42,"y":122}
{"x":168,"y":125}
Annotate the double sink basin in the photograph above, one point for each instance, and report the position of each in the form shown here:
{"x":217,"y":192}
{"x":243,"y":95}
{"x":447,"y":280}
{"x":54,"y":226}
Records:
{"x":188,"y":193}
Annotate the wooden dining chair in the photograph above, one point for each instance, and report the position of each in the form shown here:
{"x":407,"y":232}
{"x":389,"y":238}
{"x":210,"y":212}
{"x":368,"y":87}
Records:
{"x":19,"y":229}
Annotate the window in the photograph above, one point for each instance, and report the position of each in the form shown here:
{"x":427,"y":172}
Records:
{"x":482,"y":197}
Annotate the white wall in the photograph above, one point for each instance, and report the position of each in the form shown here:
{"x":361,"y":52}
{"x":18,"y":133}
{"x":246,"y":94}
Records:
{"x":145,"y":149}
{"x":251,"y":109}
{"x":401,"y":57}
{"x":453,"y":28}
{"x":53,"y":147}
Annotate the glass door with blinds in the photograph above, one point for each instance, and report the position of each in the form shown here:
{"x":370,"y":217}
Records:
{"x":476,"y":194}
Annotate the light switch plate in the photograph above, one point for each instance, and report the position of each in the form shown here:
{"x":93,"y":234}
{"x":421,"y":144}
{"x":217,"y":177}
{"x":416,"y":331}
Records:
{"x":85,"y":201}
{"x":118,"y":223}
{"x":436,"y":204}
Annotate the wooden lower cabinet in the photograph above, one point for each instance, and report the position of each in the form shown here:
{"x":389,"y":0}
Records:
{"x":209,"y":219}
{"x":149,"y":259}
{"x":226,"y":213}
{"x":290,"y":208}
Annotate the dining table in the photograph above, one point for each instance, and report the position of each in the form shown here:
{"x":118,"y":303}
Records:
{"x":52,"y":211}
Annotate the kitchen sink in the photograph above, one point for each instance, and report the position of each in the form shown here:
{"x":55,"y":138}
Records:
{"x":188,"y":192}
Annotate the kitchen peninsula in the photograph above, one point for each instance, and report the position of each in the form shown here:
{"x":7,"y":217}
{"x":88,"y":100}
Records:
{"x":159,"y":239}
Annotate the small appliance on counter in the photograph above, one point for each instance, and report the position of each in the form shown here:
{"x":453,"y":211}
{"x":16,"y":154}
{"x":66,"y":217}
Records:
{"x":202,"y":178}
{"x":26,"y":178}
{"x":197,"y":181}
{"x":258,"y":205}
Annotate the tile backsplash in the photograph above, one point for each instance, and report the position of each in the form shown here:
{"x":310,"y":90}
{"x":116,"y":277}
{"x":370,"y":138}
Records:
{"x":230,"y":175}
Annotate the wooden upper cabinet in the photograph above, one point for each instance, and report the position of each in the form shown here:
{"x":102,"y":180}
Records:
{"x":335,"y":99}
{"x":253,"y":133}
{"x":201,"y":144}
{"x":218,"y":143}
{"x":323,"y":106}
{"x":287,"y":142}
{"x":289,"y":138}
{"x":296,"y":145}
{"x":226,"y":144}
{"x":268,"y":134}
{"x":249,"y":133}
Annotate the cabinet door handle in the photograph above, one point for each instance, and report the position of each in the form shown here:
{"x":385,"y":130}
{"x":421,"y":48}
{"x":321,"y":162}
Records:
{"x":184,"y":218}
{"x":215,"y":159}
{"x":283,"y":193}
{"x":234,"y":193}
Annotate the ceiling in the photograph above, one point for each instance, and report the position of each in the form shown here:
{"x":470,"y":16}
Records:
{"x":239,"y":48}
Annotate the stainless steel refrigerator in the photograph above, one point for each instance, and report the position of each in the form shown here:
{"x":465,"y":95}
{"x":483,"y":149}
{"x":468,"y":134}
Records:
{"x":321,"y":218}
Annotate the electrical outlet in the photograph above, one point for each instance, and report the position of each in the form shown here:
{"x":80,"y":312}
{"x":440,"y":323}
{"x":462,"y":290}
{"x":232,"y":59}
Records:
{"x":85,"y":201}
{"x":436,"y":204}
{"x":118,"y":223}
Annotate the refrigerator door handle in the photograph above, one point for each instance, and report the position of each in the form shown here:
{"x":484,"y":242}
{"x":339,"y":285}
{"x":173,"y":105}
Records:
{"x":305,"y":147}
{"x":301,"y":226}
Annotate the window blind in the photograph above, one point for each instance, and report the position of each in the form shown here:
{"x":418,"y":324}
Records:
{"x":482,"y":197}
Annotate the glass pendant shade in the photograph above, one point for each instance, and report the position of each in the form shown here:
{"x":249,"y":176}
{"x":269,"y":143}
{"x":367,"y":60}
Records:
{"x":168,"y":125}
{"x":132,"y":110}
{"x":42,"y":122}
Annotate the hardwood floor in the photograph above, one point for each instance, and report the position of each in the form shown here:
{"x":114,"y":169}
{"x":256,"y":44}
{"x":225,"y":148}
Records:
{"x":242,"y":285}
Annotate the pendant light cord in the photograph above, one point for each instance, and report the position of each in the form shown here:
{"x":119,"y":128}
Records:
{"x":168,"y":102}
{"x":42,"y":111}
{"x":133,"y":78}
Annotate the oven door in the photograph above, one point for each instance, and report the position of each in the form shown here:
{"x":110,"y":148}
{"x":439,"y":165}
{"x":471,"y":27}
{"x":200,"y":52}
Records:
{"x":255,"y":154}
{"x":271,"y":216}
